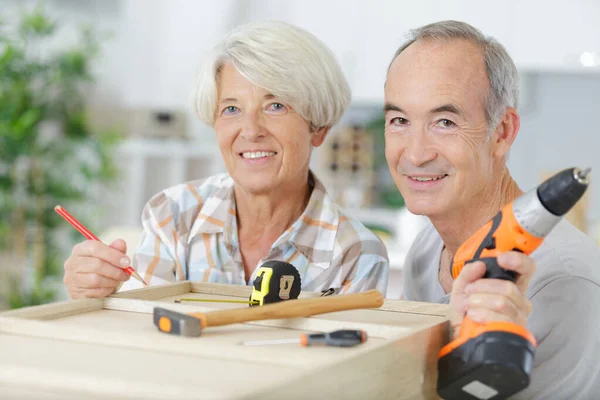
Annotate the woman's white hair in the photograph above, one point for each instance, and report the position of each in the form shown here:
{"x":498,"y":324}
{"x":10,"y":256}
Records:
{"x":289,"y":62}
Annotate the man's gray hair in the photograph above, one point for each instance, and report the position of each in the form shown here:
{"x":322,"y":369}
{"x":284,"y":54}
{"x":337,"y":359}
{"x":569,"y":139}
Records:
{"x":500,"y":68}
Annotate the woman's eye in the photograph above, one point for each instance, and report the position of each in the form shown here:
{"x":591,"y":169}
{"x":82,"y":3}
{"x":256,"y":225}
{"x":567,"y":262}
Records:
{"x":276,"y":107}
{"x":445,"y":123}
{"x":230,"y":110}
{"x":398,"y":121}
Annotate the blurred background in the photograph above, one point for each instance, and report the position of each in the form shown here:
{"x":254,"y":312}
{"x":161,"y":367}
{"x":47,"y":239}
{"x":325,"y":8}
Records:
{"x":95,"y":112}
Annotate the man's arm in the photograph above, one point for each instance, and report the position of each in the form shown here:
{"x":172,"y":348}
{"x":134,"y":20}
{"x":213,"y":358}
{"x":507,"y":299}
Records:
{"x":566,"y":323}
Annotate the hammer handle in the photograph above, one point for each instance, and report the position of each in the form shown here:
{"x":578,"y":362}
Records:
{"x":292,"y":308}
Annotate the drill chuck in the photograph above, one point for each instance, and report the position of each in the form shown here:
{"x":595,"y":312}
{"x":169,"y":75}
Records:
{"x":540,"y":209}
{"x":560,"y":193}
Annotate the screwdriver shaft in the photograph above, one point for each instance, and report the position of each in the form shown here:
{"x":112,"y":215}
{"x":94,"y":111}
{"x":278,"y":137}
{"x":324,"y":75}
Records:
{"x":269,"y":342}
{"x":582,"y":175}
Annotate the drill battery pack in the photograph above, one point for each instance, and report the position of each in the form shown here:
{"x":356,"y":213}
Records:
{"x":493,"y":365}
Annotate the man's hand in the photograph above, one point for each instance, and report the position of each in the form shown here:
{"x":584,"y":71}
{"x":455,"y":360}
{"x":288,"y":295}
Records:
{"x":95,"y":270}
{"x":486,"y":300}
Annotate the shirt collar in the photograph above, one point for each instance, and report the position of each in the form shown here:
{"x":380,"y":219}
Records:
{"x":313,"y":234}
{"x":216,"y":211}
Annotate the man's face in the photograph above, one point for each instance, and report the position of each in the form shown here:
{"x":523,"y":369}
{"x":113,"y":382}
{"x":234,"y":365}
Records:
{"x":436,"y":133}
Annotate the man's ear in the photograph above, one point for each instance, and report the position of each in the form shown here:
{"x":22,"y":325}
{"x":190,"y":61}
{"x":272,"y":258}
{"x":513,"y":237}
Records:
{"x":318,"y":136}
{"x":506,"y":132}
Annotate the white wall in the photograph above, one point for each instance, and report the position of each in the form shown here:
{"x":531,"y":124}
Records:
{"x":157,"y":46}
{"x":559,"y":130}
{"x":164,"y":42}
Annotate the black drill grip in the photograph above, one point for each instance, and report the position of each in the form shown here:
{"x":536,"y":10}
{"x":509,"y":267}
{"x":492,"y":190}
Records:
{"x":494,"y":271}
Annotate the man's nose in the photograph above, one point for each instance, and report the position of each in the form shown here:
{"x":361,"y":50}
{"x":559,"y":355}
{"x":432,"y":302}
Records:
{"x":420,"y":149}
{"x":253,"y":128}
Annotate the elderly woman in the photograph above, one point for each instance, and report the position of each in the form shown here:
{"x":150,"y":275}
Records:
{"x":271,"y":91}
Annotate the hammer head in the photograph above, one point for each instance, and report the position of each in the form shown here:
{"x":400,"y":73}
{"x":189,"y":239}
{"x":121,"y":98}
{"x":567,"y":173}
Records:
{"x":177,"y":323}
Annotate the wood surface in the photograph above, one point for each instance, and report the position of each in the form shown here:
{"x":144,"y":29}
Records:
{"x":110,"y":349}
{"x":321,"y":323}
{"x":56,"y":310}
{"x":157,"y":292}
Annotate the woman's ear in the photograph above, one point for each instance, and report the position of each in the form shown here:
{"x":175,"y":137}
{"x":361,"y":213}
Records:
{"x":506,"y":132}
{"x":318,"y":136}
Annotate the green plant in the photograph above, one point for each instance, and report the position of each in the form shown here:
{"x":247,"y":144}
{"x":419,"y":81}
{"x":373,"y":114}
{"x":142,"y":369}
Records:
{"x":48,"y":152}
{"x":388,"y":194}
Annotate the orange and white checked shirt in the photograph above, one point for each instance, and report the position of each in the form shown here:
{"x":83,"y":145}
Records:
{"x":190,"y":232}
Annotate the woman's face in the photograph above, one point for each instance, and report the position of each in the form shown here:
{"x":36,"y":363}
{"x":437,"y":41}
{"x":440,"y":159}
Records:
{"x":265,"y":144}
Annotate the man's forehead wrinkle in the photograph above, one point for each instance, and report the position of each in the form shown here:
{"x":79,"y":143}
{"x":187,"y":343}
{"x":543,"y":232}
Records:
{"x":438,"y":53}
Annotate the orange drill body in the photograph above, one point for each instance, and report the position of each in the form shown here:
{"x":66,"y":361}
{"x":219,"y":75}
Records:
{"x":501,"y":234}
{"x":504,"y":232}
{"x":494,"y":360}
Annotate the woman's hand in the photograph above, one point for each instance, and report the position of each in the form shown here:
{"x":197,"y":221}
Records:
{"x":95,"y":270}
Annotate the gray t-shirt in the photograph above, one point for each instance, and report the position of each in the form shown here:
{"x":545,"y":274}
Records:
{"x":565,"y":293}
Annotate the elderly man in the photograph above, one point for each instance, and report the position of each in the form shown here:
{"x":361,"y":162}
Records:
{"x":450,"y":104}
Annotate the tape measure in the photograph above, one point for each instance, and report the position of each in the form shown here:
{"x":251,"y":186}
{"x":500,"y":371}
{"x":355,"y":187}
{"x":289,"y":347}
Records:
{"x":275,"y":281}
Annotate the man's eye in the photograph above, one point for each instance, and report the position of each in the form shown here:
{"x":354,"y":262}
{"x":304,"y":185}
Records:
{"x":445,"y":123}
{"x":398,"y":121}
{"x":230,"y":110}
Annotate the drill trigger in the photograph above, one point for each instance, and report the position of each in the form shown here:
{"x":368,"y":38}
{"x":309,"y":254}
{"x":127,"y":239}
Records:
{"x":489,"y":243}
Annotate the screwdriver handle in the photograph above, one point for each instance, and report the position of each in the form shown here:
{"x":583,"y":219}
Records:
{"x":341,"y":338}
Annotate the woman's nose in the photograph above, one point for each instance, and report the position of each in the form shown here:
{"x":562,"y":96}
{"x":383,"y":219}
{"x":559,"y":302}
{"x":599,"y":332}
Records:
{"x":253,"y":128}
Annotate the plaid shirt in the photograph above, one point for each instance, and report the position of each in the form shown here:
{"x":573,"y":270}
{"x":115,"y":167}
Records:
{"x":190,"y":232}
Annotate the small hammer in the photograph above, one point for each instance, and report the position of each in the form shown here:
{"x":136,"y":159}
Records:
{"x":192,"y":324}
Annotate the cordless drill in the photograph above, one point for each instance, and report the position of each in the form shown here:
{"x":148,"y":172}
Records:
{"x":494,"y":360}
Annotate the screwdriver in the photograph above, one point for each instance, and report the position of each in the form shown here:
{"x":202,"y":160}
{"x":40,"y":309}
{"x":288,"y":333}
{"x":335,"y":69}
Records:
{"x":341,"y":338}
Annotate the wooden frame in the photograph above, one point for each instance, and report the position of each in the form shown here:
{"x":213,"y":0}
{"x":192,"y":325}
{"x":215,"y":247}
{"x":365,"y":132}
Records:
{"x":108,"y":335}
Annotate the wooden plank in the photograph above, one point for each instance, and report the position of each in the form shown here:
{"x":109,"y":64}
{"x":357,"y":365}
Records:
{"x":321,"y":324}
{"x":83,"y":354}
{"x":156,"y":292}
{"x":408,"y":310}
{"x":415,"y":307}
{"x":13,"y":390}
{"x":147,"y":306}
{"x":234,"y":290}
{"x":107,"y":372}
{"x":56,"y":310}
{"x":220,"y":289}
{"x":205,"y":290}
{"x":383,"y":318}
{"x":136,"y":331}
{"x":383,"y":373}
{"x":239,"y":293}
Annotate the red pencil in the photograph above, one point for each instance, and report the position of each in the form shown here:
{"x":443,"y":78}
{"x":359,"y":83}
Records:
{"x":89,"y":235}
